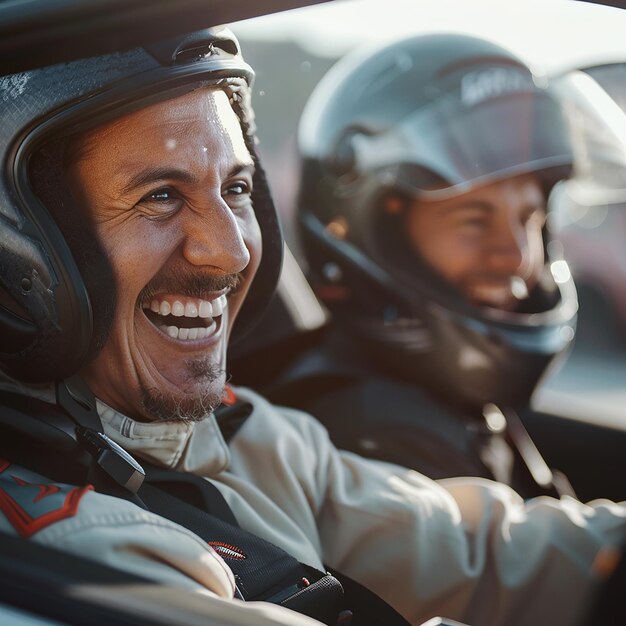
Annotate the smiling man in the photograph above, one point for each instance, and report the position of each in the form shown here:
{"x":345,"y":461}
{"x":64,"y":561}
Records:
{"x":424,"y":213}
{"x":131,"y":252}
{"x":169,"y":195}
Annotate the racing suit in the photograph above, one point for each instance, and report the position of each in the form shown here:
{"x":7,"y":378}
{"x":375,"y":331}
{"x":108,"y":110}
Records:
{"x":468,"y":549}
{"x":376,"y":413}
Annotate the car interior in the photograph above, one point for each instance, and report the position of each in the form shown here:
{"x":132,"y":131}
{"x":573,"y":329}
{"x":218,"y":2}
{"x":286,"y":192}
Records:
{"x":42,"y":586}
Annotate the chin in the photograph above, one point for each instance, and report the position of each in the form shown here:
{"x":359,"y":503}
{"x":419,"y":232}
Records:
{"x":158,"y":405}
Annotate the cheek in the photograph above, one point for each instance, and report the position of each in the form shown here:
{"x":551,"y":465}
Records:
{"x":437,"y":243}
{"x":135,"y":251}
{"x":451,"y":253}
{"x":251,"y":234}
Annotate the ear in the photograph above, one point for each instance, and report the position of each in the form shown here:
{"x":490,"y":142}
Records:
{"x":395,"y":204}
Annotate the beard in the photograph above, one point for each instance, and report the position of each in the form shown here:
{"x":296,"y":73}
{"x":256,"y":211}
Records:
{"x":188,"y":407}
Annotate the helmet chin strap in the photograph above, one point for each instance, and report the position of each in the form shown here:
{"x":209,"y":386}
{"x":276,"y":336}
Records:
{"x":79,"y":403}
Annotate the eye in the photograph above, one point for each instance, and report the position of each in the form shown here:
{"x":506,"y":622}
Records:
{"x":238,"y":194}
{"x":474,"y":222}
{"x":160,"y":203}
{"x":239,"y":188}
{"x":469,"y":219}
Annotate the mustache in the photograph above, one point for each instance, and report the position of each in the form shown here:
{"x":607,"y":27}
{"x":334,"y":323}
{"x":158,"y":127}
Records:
{"x":197,"y":284}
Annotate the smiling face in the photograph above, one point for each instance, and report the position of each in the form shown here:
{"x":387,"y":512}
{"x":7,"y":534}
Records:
{"x":168,"y":189}
{"x":486,"y":242}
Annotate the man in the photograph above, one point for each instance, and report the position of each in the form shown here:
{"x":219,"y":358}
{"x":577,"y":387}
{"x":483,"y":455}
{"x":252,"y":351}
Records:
{"x":423,"y":209}
{"x":144,"y":165}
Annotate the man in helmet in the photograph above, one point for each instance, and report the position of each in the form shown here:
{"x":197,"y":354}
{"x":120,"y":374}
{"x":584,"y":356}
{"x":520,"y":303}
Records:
{"x":136,"y":227}
{"x":427,"y":166}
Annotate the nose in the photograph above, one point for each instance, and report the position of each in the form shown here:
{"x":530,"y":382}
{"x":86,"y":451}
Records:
{"x":214,"y":238}
{"x":509,"y":252}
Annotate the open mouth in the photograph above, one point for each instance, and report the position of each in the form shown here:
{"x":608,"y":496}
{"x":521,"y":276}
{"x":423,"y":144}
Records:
{"x":491,"y":295}
{"x":500,"y":294}
{"x":183,"y":318}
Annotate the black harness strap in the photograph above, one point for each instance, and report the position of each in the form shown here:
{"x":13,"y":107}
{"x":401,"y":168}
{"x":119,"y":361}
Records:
{"x":262,"y":570}
{"x":367,"y":608}
{"x":196,"y":492}
{"x":265,"y":572}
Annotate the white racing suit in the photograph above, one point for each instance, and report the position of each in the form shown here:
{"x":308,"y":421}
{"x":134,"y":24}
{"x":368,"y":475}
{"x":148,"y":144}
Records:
{"x":467,"y":548}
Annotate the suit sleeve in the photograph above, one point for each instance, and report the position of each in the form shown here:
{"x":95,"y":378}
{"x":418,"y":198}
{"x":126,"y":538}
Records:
{"x":467,"y":548}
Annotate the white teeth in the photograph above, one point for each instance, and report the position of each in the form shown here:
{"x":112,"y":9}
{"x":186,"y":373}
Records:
{"x":206,"y":309}
{"x":186,"y":334}
{"x":218,"y":306}
{"x":198,"y":308}
{"x":496,"y":296}
{"x":519,"y":288}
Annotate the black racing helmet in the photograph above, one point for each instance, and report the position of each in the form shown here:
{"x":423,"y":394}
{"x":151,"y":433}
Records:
{"x":57,"y":291}
{"x":430,"y":117}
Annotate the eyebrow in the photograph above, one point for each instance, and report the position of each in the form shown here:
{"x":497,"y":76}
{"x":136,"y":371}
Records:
{"x":153,"y":174}
{"x":490,"y":208}
{"x":474,"y":204}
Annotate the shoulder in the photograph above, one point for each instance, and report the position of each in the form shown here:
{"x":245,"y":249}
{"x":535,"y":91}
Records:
{"x":30,"y":502}
{"x":288,"y":441}
{"x":110,"y":530}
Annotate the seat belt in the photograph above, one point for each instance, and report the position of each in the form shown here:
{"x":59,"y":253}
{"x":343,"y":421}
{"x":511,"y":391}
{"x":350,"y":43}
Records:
{"x":262,"y":570}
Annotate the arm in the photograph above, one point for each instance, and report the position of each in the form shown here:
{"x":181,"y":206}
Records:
{"x":469,"y":549}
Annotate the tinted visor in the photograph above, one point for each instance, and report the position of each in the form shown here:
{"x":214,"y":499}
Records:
{"x":470,"y":137}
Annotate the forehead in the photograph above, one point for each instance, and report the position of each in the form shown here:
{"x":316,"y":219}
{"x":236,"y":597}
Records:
{"x":200,"y":122}
{"x":501,"y":195}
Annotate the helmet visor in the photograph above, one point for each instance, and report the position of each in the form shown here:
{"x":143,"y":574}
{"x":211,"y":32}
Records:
{"x":598,"y":125}
{"x":502,"y":125}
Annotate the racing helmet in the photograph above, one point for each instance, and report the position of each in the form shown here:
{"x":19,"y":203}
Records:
{"x":57,"y":291}
{"x":430,"y":117}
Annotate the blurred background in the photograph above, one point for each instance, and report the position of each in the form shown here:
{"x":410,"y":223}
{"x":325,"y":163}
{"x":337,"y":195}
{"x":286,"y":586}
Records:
{"x":291,"y":51}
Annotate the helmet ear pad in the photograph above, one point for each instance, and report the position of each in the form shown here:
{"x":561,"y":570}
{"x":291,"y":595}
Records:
{"x":342,"y":159}
{"x":49,"y":182}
